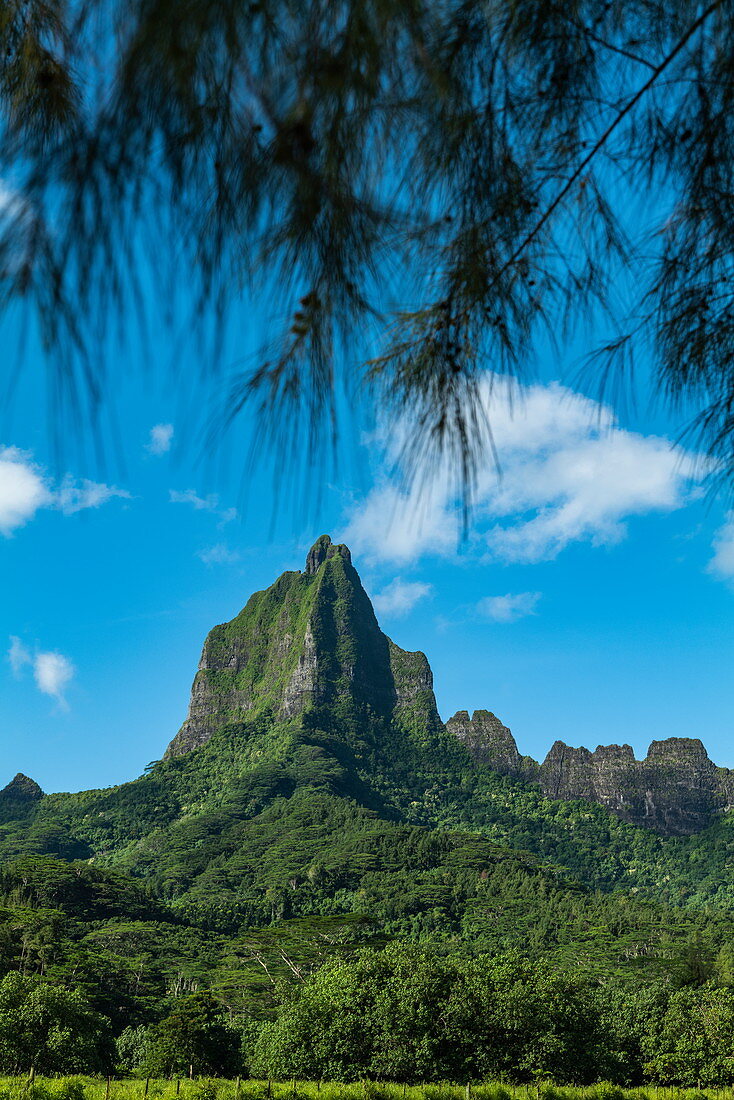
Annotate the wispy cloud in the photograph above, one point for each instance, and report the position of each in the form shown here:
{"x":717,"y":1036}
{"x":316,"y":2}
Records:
{"x":399,"y":597}
{"x":52,"y":671}
{"x":26,"y":488}
{"x":16,"y":227}
{"x":722,"y":563}
{"x":510,"y":607}
{"x":569,"y":474}
{"x":160,"y":439}
{"x":219,"y":554}
{"x":75,"y":496}
{"x":208,"y":503}
{"x":19,"y":655}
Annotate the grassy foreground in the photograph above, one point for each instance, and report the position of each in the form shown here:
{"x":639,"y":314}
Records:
{"x":94,"y":1088}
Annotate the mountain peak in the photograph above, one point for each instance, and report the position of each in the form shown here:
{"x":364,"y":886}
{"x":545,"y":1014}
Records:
{"x":322,"y":550}
{"x":310,"y":645}
{"x":22,"y":788}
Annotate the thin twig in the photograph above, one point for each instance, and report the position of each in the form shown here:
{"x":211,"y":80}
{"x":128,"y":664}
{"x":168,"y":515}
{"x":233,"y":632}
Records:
{"x":601,"y":141}
{"x":618,"y":49}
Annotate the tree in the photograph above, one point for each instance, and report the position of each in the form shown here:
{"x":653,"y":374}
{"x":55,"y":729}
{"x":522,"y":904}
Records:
{"x":630,"y":1014}
{"x":49,"y":1028}
{"x":431,"y":186}
{"x":193,"y":1035}
{"x":693,"y":1043}
{"x":516,"y":1018}
{"x":324,"y":1032}
{"x":403,"y":1014}
{"x":131,"y":1049}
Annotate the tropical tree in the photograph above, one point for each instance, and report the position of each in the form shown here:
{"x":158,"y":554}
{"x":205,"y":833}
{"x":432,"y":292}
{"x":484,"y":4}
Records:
{"x":419,"y":191}
{"x":131,"y":1049}
{"x":193,"y":1038}
{"x":693,"y":1045}
{"x":50,"y":1028}
{"x":405,"y":1014}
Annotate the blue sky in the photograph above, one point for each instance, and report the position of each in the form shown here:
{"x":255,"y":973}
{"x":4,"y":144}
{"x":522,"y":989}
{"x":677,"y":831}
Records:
{"x":592,"y":601}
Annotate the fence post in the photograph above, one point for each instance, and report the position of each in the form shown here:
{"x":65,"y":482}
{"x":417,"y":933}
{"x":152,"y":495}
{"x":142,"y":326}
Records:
{"x":191,"y":1072}
{"x":178,"y":1085}
{"x":107,"y":1090}
{"x":147,"y":1084}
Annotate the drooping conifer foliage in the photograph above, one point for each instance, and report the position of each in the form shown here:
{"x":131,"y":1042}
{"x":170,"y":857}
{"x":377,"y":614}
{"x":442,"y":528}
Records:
{"x":426,"y":185}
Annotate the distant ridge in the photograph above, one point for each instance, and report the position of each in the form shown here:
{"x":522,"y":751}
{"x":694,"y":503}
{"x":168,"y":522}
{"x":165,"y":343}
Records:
{"x":676,"y":789}
{"x":311,"y":644}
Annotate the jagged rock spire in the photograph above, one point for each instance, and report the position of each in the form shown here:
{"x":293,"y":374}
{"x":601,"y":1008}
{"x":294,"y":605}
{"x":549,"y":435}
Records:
{"x":676,"y":789}
{"x":309,"y":643}
{"x":322,"y":550}
{"x":487,"y":740}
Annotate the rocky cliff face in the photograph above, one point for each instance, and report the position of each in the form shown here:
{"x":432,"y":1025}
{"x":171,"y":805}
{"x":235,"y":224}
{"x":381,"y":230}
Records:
{"x":676,"y":789}
{"x":308,"y":644}
{"x":488,"y":741}
{"x":309,"y":648}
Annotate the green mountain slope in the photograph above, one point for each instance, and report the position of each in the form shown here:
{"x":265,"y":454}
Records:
{"x":313,"y":796}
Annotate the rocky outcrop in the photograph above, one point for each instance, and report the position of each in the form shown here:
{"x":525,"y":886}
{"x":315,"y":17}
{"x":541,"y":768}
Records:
{"x":308,"y":644}
{"x":310,"y":649}
{"x":488,"y":741}
{"x":19,"y":799}
{"x":321,"y":551}
{"x":22,"y":789}
{"x":676,"y":789}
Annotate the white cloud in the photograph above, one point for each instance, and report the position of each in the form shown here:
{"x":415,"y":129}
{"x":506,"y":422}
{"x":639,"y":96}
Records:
{"x":73,"y":496}
{"x":12,"y":204}
{"x":18,"y":655}
{"x":220,"y":554}
{"x":510,"y":607}
{"x":52,"y":671}
{"x":161,"y":436}
{"x":569,"y":474}
{"x":25,"y":488}
{"x":16,"y":229}
{"x":202,"y":504}
{"x":399,"y":597}
{"x":394,"y":526}
{"x":722,"y":563}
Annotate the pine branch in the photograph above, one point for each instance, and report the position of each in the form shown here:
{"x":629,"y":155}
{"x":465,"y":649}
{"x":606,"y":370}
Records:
{"x":602,"y":140}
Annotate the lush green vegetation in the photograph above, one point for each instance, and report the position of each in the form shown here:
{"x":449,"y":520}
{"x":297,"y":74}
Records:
{"x":444,"y":1011}
{"x":344,"y":894}
{"x":91,"y":1088}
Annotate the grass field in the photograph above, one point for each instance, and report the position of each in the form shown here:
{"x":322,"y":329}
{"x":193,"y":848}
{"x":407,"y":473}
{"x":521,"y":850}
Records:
{"x":91,"y":1088}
